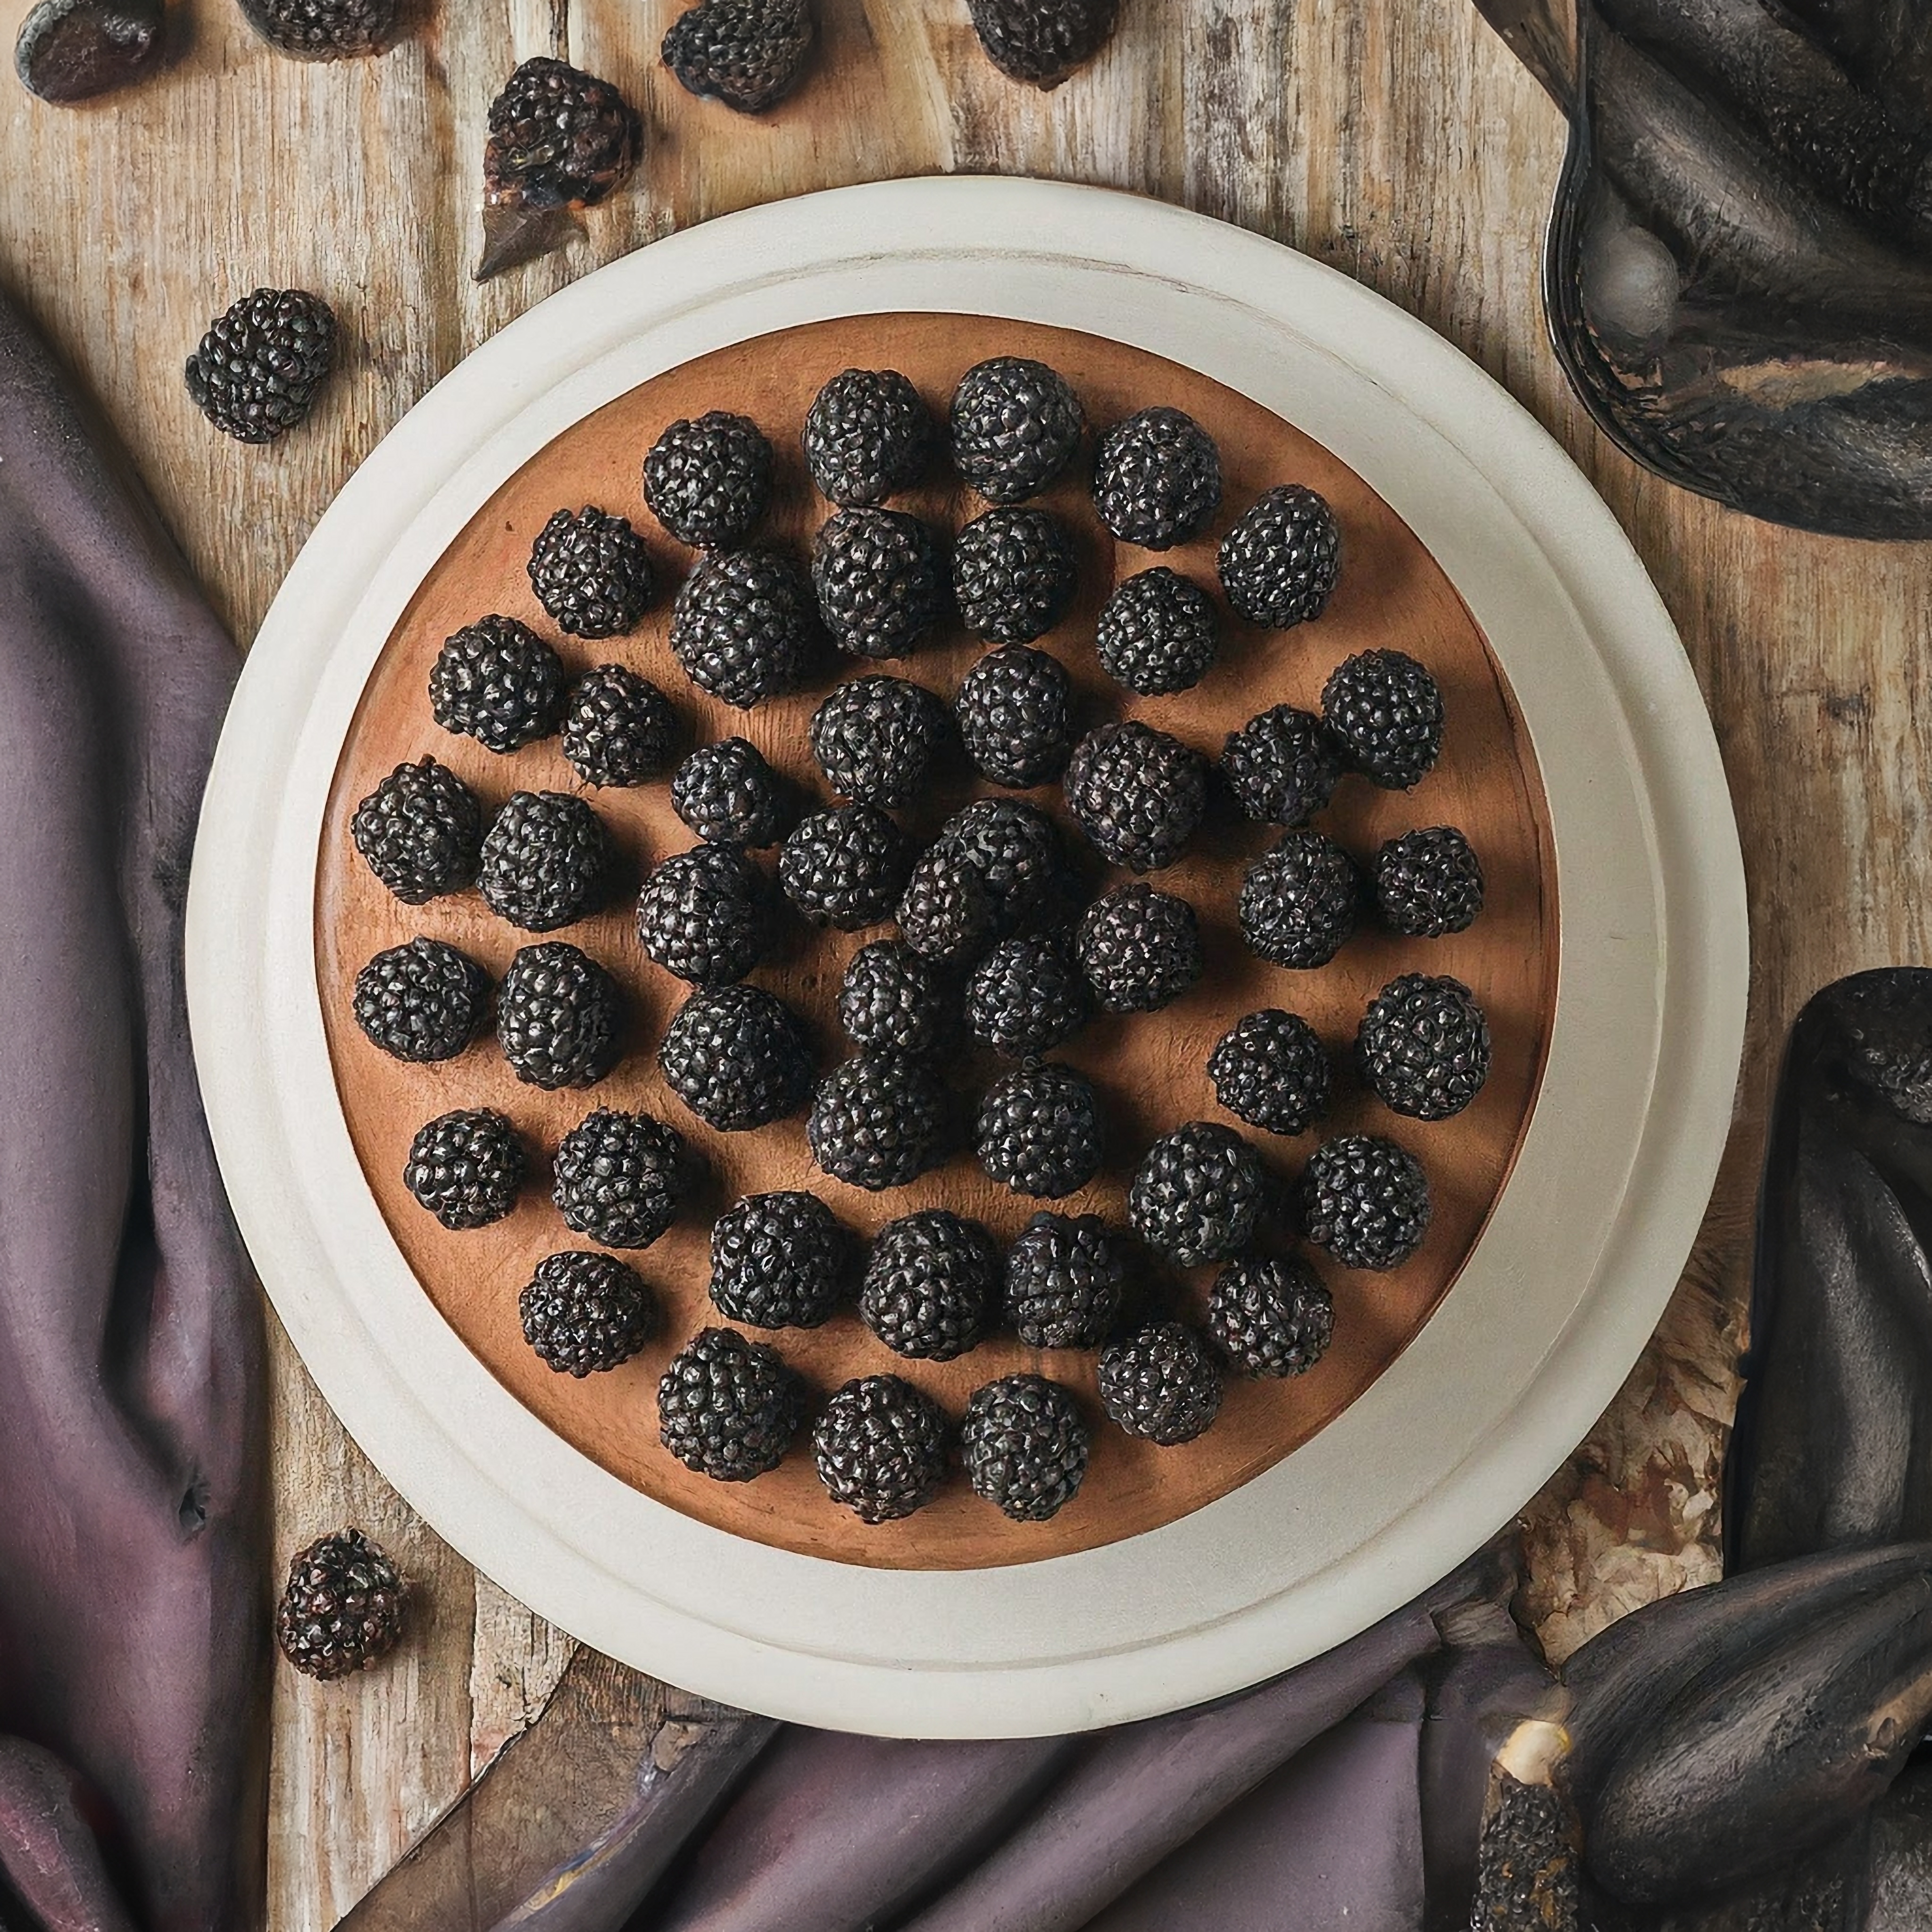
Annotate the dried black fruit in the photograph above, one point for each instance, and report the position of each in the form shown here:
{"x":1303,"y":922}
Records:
{"x":946,"y":913}
{"x":1138,"y":948}
{"x":1015,"y":424}
{"x":1197,"y":1195}
{"x":466,"y":1168}
{"x":592,"y":573}
{"x":1065,"y":1282}
{"x":1025,"y":997}
{"x":1386,"y":711}
{"x":1025,"y":1446}
{"x":620,"y":1178}
{"x":1155,"y":633}
{"x":342,"y":1606}
{"x":545,"y":859}
{"x":496,"y":681}
{"x":1424,"y":1046}
{"x":1270,"y":1315}
{"x":930,"y":1290}
{"x":257,"y":371}
{"x":867,"y":436}
{"x":846,"y":867}
{"x":322,"y":29}
{"x":1042,"y":41}
{"x":749,"y":54}
{"x":1013,"y":708}
{"x":781,"y":1261}
{"x":880,"y":1447}
{"x":69,"y":50}
{"x":728,"y":1407}
{"x":1161,"y":1384}
{"x":558,"y":1015}
{"x":1279,"y":563}
{"x":1039,"y":1131}
{"x":874,"y":738}
{"x":1299,"y":902}
{"x":1138,"y":793}
{"x":1013,"y":575}
{"x":424,"y":1001}
{"x":879,"y":581}
{"x":558,"y":138}
{"x":878,"y":1120}
{"x":894,"y":996}
{"x":1428,"y":883}
{"x":1269,"y":1069}
{"x":708,"y":480}
{"x":706,"y":915}
{"x":737,"y":1057}
{"x":728,"y":795}
{"x":584,"y":1313}
{"x":1282,"y":765}
{"x":1366,"y":1200}
{"x":421,"y":830}
{"x":1015,"y":850}
{"x":1157,"y":478}
{"x":619,"y":728}
{"x":746,"y":626}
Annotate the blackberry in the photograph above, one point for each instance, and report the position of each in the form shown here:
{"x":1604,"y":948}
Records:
{"x":322,"y":29}
{"x":1013,"y":575}
{"x":1282,"y":765}
{"x":1197,"y":1194}
{"x":546,"y":860}
{"x":620,"y":1178}
{"x":496,"y":681}
{"x":879,"y":580}
{"x":592,"y":573}
{"x":558,"y":138}
{"x":728,"y":1409}
{"x":1024,"y":997}
{"x":1015,"y":850}
{"x":1300,"y":901}
{"x":1271,"y":1316}
{"x":1065,"y":1281}
{"x":844,"y":868}
{"x":930,"y":1289}
{"x":620,"y":728}
{"x":466,"y":1168}
{"x":728,"y":795}
{"x":1386,"y":710}
{"x":1161,"y":1384}
{"x":1157,"y":480}
{"x":879,"y":1445}
{"x":748,"y":54}
{"x":423,"y":1001}
{"x":893,"y":996}
{"x":737,"y":1057}
{"x":1366,"y":1201}
{"x":558,"y":1014}
{"x":781,"y":1261}
{"x":1039,"y":1131}
{"x":867,"y":436}
{"x":1138,"y":793}
{"x":1025,"y":1446}
{"x":1014,"y":426}
{"x":255,"y":374}
{"x":947,"y":913}
{"x":874,"y":738}
{"x":878,"y":1121}
{"x":745,"y":626}
{"x":1042,"y":41}
{"x":1428,"y":883}
{"x":1155,"y":634}
{"x":1138,"y":949}
{"x":342,"y":1607}
{"x":708,"y":481}
{"x":1424,"y":1046}
{"x":420,"y":832}
{"x":1269,"y":1068}
{"x":1279,"y":563}
{"x":706,"y":915}
{"x":1013,"y":708}
{"x":584,"y":1313}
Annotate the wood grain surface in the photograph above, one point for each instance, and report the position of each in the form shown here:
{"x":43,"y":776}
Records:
{"x":1401,"y":144}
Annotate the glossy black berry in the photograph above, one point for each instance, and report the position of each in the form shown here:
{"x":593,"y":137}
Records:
{"x":878,"y":1120}
{"x":728,"y":1408}
{"x":1366,"y":1201}
{"x":1157,"y":479}
{"x":1157,"y":633}
{"x":1039,"y":1132}
{"x":584,"y":1313}
{"x":1025,"y":997}
{"x":258,"y":368}
{"x":619,"y":729}
{"x":1270,"y":1070}
{"x":782,"y":1261}
{"x":1197,"y":1195}
{"x":1137,"y":948}
{"x":748,"y":54}
{"x":342,"y":1608}
{"x":880,"y":581}
{"x":466,"y":1168}
{"x":1161,"y":1383}
{"x":745,"y":626}
{"x":420,"y":831}
{"x":845,"y":867}
{"x":1428,"y":883}
{"x":1300,"y":901}
{"x":1025,"y":1446}
{"x":947,"y":913}
{"x":708,"y":480}
{"x":592,"y":573}
{"x":1015,"y":850}
{"x":1270,"y":1315}
{"x":559,"y":1017}
{"x":1279,"y":563}
{"x":875,"y":739}
{"x":880,"y":1448}
{"x":1386,"y":711}
{"x":1139,"y":794}
{"x":1065,"y":1281}
{"x":1014,"y":576}
{"x":1015,"y":424}
{"x":706,"y":915}
{"x":1014,"y":710}
{"x":867,"y":436}
{"x":322,"y":29}
{"x":728,"y":795}
{"x":1282,"y":765}
{"x":620,"y":1178}
{"x":893,"y":996}
{"x":1424,"y":1046}
{"x":738,"y":1058}
{"x":932,"y":1285}
{"x":546,"y":861}
{"x":424,"y":1001}
{"x":496,"y":681}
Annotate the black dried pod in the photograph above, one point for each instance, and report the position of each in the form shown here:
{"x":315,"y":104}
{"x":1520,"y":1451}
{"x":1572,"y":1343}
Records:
{"x":559,"y":1016}
{"x":879,"y":581}
{"x":1157,"y":478}
{"x":1282,"y":765}
{"x":709,"y":481}
{"x":592,"y":573}
{"x":867,"y":436}
{"x":496,"y":681}
{"x":255,"y":374}
{"x":728,"y":795}
{"x":1014,"y":576}
{"x":1025,"y":1446}
{"x":619,"y":728}
{"x":880,"y":1448}
{"x":1139,"y":794}
{"x":1197,"y":1195}
{"x":1014,"y":709}
{"x":1015,"y":424}
{"x":584,"y":1313}
{"x":1299,"y":902}
{"x":748,"y":54}
{"x":1161,"y":1384}
{"x":746,"y":626}
{"x":1279,"y":564}
{"x":70,"y":50}
{"x":322,"y":29}
{"x":546,"y":859}
{"x":737,"y":1057}
{"x":424,"y":1001}
{"x":558,"y":138}
{"x":421,"y":832}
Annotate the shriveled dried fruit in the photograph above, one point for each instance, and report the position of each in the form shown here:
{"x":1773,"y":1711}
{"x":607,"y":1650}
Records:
{"x":748,"y":54}
{"x":69,"y":50}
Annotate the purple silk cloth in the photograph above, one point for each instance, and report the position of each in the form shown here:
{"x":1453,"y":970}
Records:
{"x":131,"y":1545}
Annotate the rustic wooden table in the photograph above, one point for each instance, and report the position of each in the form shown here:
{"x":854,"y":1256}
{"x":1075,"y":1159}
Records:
{"x":1401,"y":144}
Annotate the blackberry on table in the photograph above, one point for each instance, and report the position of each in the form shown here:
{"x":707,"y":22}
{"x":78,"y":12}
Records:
{"x":737,"y":1057}
{"x":1300,"y":901}
{"x":1014,"y":575}
{"x":496,"y":681}
{"x":1025,"y":997}
{"x":1138,"y":948}
{"x":745,"y":626}
{"x":1025,"y":1446}
{"x":728,"y":795}
{"x":424,"y":1001}
{"x":546,"y":858}
{"x":1428,"y":883}
{"x":420,"y":832}
{"x":1042,"y":41}
{"x":878,"y":1120}
{"x":880,"y":581}
{"x":1065,"y":1281}
{"x":342,"y":1608}
{"x":558,"y":138}
{"x":894,"y":996}
{"x":708,"y":480}
{"x":867,"y":436}
{"x":1424,"y":1046}
{"x":1016,"y":851}
{"x":728,"y":1407}
{"x":1386,"y":711}
{"x":1013,"y":710}
{"x":875,"y":739}
{"x":1015,"y":424}
{"x":1139,"y":794}
{"x":1282,"y":765}
{"x":930,"y":1289}
{"x":1279,"y":563}
{"x":1039,"y":1131}
{"x":1269,"y":1068}
{"x":1161,"y":1384}
{"x":619,"y":728}
{"x":781,"y":1261}
{"x":748,"y":54}
{"x":584,"y":1313}
{"x":947,"y":913}
{"x":1365,"y":1200}
{"x":879,"y":1445}
{"x":845,"y":867}
{"x":706,"y":915}
{"x":558,"y":1015}
{"x":1157,"y":479}
{"x":1270,"y":1315}
{"x":620,"y":1178}
{"x":466,"y":1168}
{"x":592,"y":573}
{"x":1157,"y":633}
{"x":1197,"y":1195}
{"x":256,"y":371}
{"x":322,"y":29}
